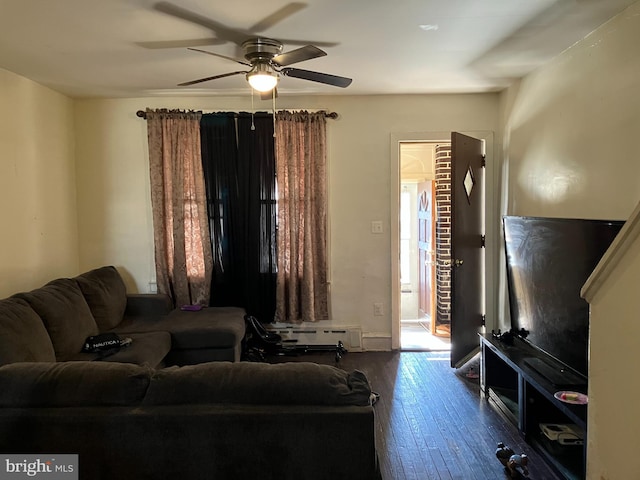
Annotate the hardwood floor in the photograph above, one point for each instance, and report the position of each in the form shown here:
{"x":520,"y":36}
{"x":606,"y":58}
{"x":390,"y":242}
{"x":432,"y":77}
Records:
{"x":431,"y":421}
{"x":416,"y":335}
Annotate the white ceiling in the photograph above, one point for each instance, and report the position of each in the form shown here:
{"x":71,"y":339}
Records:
{"x":103,"y":48}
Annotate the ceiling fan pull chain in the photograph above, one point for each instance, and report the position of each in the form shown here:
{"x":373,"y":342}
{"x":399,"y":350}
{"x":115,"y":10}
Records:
{"x":253,"y":111}
{"x":273,"y":96}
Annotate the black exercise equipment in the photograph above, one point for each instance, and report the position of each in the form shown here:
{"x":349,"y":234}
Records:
{"x":259,"y":342}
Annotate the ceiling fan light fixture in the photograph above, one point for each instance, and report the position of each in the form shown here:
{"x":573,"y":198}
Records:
{"x":262,"y":77}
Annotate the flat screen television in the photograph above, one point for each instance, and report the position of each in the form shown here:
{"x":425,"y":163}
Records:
{"x":548,"y":262}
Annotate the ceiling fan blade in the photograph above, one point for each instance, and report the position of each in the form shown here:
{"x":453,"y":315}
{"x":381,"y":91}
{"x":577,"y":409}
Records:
{"x":198,"y":42}
{"x":277,"y":16}
{"x":222,"y":32}
{"x":298,"y":55}
{"x":297,"y":41}
{"x":221,"y":56}
{"x":206,"y":79}
{"x":334,"y":80}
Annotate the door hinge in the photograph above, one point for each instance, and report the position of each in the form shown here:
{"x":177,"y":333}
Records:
{"x":484,"y":320}
{"x":483,"y":241}
{"x":484,"y":160}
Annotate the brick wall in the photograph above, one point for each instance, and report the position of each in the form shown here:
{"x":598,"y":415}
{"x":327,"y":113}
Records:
{"x":443,"y":234}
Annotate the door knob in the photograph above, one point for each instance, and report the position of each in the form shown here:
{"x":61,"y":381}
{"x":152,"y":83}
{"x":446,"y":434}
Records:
{"x":456,"y":263}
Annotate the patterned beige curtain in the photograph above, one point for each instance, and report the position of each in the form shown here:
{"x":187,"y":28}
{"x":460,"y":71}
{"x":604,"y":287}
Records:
{"x":302,"y":290}
{"x":180,"y":228}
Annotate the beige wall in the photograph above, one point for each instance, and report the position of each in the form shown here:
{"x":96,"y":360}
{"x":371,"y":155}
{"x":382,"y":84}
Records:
{"x":113,"y":192}
{"x":571,"y":129}
{"x":612,"y":292}
{"x":39,"y":239}
{"x":571,"y":149}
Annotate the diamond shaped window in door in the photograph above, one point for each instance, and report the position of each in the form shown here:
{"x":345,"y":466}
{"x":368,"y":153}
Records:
{"x":469,"y":183}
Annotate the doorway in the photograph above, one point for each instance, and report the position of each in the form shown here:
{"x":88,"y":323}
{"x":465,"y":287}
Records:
{"x":424,"y":321}
{"x":490,"y":273}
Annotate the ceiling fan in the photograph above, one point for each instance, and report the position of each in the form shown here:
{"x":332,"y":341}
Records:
{"x":266,"y":63}
{"x":224,"y":34}
{"x":264,"y":56}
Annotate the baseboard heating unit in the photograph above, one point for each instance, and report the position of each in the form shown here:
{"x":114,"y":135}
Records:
{"x":351,"y":337}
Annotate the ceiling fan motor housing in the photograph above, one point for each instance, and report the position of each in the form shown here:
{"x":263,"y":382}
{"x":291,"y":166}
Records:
{"x":266,"y":62}
{"x":261,"y":48}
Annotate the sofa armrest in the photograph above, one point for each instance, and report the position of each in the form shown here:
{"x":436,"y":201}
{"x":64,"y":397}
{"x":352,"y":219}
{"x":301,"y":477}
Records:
{"x":145,"y":304}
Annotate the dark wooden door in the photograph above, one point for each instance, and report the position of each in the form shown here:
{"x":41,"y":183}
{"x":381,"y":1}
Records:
{"x":426,"y":251}
{"x":467,"y":251}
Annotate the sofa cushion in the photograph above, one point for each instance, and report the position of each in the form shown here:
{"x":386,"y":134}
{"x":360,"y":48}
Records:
{"x":293,"y":383}
{"x":72,"y":384}
{"x":213,"y":327}
{"x":148,"y":304}
{"x":65,"y":314}
{"x":106,"y":294}
{"x":146,"y":349}
{"x":23,"y":337}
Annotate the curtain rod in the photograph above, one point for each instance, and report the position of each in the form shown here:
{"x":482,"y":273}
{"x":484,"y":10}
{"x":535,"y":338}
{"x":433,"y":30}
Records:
{"x":332,"y":115}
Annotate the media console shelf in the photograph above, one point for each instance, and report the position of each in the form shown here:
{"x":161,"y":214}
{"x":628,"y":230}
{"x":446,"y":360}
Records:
{"x":511,"y":380}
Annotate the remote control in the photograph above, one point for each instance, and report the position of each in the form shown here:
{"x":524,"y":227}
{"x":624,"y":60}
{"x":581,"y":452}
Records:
{"x":191,"y":308}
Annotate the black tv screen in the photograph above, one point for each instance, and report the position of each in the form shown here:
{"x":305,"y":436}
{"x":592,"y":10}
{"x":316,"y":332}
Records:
{"x":548,"y":262}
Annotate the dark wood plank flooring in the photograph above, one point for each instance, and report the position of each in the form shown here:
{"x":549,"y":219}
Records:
{"x":431,"y":421}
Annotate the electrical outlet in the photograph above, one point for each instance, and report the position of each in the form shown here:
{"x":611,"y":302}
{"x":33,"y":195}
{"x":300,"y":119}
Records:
{"x":376,"y":226}
{"x":378,"y":309}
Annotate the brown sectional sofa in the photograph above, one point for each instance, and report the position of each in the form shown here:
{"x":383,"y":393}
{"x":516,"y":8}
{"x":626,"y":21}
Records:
{"x":52,"y":322}
{"x":130,"y":417}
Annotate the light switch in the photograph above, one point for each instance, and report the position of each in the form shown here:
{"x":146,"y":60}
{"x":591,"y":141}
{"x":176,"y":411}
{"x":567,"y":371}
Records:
{"x":376,"y":226}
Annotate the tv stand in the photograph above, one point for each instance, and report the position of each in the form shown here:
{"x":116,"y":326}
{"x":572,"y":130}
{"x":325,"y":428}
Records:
{"x":515,"y":378}
{"x":557,"y":375}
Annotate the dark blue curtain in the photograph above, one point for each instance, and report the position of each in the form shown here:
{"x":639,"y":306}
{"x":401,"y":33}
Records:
{"x":238,"y":159}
